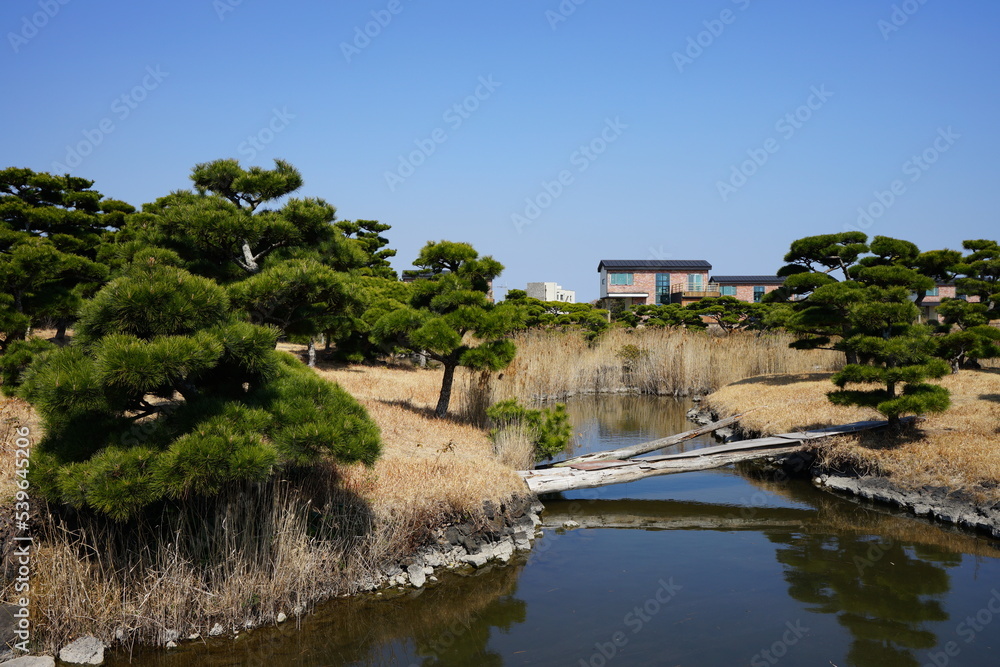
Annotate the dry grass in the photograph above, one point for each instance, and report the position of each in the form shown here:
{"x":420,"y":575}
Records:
{"x":959,"y":449}
{"x":655,"y":361}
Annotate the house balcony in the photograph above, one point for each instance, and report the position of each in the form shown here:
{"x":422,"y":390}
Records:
{"x":685,"y":292}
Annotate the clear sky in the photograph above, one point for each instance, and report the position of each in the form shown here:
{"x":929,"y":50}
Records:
{"x":548,"y":134}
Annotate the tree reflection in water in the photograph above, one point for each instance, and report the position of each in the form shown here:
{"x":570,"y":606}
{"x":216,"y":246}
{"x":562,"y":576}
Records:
{"x":882,"y":591}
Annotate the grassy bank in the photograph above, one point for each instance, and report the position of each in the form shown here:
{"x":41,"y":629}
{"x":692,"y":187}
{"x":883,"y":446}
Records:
{"x":958,"y":449}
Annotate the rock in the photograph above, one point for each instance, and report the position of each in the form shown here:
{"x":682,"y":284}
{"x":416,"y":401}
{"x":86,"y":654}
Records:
{"x":169,"y":636}
{"x":171,"y":645}
{"x":392,"y":570}
{"x":570,"y":524}
{"x":83,"y":651}
{"x":503,"y":551}
{"x":417,"y":576}
{"x":216,"y":630}
{"x":299,"y":609}
{"x":536,"y":520}
{"x":31,"y":661}
{"x":432,"y":578}
{"x":476,"y":560}
{"x":281,"y":617}
{"x":433,"y":559}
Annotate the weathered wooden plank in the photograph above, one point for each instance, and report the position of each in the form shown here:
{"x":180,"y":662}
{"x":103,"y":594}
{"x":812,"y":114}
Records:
{"x":567,"y":479}
{"x":670,"y":515}
{"x":651,"y":446}
{"x":555,"y":480}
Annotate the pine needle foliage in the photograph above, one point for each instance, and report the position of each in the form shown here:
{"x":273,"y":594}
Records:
{"x":163,"y":395}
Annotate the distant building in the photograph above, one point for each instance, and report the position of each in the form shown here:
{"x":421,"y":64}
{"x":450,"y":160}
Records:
{"x":647,"y":281}
{"x":551,"y":292}
{"x":746,"y":288}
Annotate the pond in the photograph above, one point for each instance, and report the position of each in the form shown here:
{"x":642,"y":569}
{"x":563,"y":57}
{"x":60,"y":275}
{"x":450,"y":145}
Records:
{"x":705,"y":568}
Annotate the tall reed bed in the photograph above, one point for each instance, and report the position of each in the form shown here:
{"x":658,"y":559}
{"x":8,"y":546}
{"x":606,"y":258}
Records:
{"x":238,"y":560}
{"x":653,"y":361}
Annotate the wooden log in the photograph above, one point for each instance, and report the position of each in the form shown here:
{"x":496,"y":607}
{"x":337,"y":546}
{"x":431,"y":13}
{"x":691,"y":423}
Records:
{"x":567,"y":479}
{"x":596,"y":473}
{"x":651,"y":446}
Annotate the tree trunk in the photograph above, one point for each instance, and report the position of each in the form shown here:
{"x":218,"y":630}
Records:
{"x":248,"y":258}
{"x":445,"y":398}
{"x":61,"y":329}
{"x":311,"y":354}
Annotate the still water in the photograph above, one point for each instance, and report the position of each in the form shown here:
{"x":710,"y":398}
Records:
{"x":695,"y":569}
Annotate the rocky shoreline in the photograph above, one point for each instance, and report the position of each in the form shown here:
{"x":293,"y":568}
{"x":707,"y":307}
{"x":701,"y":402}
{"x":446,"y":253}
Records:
{"x":460,"y":547}
{"x":932,"y":502}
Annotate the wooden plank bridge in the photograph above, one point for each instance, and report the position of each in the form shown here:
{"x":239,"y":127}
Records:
{"x":623,"y":465}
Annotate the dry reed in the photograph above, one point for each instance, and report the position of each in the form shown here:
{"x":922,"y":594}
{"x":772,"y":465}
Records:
{"x":654,"y":361}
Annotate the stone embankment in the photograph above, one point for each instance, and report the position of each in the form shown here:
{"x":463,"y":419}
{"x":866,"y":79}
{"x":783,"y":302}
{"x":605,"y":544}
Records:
{"x":934,"y":502}
{"x":496,"y":538}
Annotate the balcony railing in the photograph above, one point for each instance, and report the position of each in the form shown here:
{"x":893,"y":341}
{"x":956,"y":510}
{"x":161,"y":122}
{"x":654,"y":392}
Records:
{"x":694,"y":291}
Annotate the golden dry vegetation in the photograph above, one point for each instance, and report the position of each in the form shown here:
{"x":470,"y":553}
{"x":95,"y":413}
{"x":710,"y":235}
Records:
{"x":957,"y":449}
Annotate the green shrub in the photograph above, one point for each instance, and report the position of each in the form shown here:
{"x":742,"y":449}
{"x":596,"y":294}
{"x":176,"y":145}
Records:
{"x":549,"y":428}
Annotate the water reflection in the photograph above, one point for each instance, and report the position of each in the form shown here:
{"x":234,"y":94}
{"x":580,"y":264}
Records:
{"x":607,"y":422}
{"x":449,"y":624}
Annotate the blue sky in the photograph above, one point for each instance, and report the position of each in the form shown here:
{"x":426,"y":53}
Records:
{"x":718,"y":130}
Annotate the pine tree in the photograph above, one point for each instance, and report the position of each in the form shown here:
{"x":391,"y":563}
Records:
{"x":449,"y":317}
{"x":51,"y":231}
{"x":163,"y":394}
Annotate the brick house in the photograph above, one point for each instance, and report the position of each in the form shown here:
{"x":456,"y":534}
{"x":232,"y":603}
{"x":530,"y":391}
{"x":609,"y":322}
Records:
{"x":746,"y":288}
{"x":649,"y":282}
{"x":932,"y":299}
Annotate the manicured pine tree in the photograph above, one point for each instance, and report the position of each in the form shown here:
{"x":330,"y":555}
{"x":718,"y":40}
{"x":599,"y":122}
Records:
{"x":163,"y":395}
{"x":51,"y":231}
{"x":449,"y":317}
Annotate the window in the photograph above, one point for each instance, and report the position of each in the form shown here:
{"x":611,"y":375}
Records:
{"x":621,"y":278}
{"x":758,"y":293}
{"x":662,"y":288}
{"x":932,"y":292}
{"x":727,"y":290}
{"x":695,"y":282}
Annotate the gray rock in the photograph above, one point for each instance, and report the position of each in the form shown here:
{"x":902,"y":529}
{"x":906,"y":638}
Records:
{"x":171,"y":644}
{"x":476,"y":560}
{"x":169,"y":636}
{"x":216,"y":630}
{"x":503,"y":551}
{"x":83,"y":651}
{"x":417,"y":576}
{"x":433,"y":559}
{"x":570,"y":524}
{"x":392,"y":570}
{"x":194,"y":636}
{"x":31,"y":661}
{"x":281,"y":617}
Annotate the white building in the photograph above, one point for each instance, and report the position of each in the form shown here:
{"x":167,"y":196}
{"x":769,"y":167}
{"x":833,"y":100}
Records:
{"x":551,"y":292}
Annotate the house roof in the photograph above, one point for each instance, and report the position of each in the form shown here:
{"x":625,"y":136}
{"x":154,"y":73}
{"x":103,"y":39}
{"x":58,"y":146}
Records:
{"x":748,"y":280}
{"x":655,"y":264}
